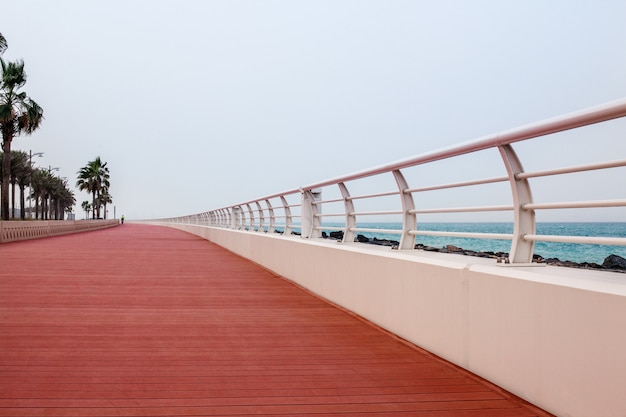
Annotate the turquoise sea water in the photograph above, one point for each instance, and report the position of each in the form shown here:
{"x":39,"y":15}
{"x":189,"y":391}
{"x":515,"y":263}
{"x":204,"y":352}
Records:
{"x":563,"y":251}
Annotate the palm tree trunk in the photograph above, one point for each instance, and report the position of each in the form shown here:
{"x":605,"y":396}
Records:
{"x":7,"y":136}
{"x":93,"y":197}
{"x":22,"y":203}
{"x":12,"y":199}
{"x":98,"y":191}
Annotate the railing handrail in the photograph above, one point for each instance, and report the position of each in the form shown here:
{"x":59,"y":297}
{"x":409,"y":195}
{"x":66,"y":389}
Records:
{"x":596,"y":114}
{"x":244,"y":216}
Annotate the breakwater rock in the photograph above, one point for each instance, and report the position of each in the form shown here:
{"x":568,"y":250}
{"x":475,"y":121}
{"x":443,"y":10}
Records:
{"x":612,"y":262}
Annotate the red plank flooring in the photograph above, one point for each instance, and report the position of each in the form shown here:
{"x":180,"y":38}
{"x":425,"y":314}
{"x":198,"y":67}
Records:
{"x":148,"y":321}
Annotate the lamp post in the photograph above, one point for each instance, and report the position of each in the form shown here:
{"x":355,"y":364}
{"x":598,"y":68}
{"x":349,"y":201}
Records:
{"x":30,"y":181}
{"x":49,"y":211}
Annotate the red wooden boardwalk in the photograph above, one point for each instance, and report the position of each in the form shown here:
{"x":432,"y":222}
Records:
{"x":149,"y":321}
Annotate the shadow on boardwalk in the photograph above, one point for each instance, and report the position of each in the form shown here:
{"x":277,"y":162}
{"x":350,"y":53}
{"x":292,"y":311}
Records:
{"x":143,"y":320}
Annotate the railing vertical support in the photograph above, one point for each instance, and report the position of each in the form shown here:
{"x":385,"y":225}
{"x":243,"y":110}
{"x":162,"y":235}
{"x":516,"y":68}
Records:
{"x":224,"y":217}
{"x":348,"y":233}
{"x":270,"y":209}
{"x":524,"y":220}
{"x":234,"y":217}
{"x":409,"y":220}
{"x":287,"y":209}
{"x":228,"y":216}
{"x":310,"y":221}
{"x":261,"y":217}
{"x":251,"y":213}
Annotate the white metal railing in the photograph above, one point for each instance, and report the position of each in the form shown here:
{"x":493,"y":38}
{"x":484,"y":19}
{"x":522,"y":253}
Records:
{"x":300,"y":209}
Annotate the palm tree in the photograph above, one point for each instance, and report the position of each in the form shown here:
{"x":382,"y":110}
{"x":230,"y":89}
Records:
{"x":36,"y":184}
{"x":105,"y":198}
{"x":46,"y":193}
{"x":94,"y":178}
{"x":3,"y":44}
{"x":87,"y":207}
{"x":18,"y":114}
{"x":19,"y":170}
{"x":61,"y":198}
{"x":23,"y":179}
{"x":41,"y":184}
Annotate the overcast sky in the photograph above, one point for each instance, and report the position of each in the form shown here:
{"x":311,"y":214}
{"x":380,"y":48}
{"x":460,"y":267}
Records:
{"x":197,"y":105}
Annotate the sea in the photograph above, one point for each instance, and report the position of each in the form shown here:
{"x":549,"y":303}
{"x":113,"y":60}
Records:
{"x":563,"y":251}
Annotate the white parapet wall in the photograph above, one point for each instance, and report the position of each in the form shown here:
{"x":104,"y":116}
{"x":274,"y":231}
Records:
{"x":554,"y":336}
{"x":11,"y":231}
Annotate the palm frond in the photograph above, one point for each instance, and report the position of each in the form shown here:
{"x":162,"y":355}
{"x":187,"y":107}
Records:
{"x":3,"y":44}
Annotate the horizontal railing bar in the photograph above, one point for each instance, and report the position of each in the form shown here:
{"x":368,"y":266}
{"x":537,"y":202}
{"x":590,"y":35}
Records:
{"x":575,"y":204}
{"x":330,"y":214}
{"x":329,"y":228}
{"x":327,"y":201}
{"x":374,"y":213}
{"x":385,"y":194}
{"x":499,"y":236}
{"x":569,"y":170}
{"x":616,"y":241}
{"x":462,"y":209}
{"x":364,"y":229}
{"x":458,"y":184}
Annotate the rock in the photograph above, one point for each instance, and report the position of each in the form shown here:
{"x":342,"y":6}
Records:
{"x":384,"y":242}
{"x":614,"y":262}
{"x":453,"y":249}
{"x":362,"y":239}
{"x":552,"y":261}
{"x":336,"y":235}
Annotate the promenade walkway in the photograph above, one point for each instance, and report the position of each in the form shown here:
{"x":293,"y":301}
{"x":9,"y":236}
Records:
{"x":142,"y":320}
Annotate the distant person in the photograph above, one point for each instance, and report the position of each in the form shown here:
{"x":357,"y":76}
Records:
{"x":122,"y":219}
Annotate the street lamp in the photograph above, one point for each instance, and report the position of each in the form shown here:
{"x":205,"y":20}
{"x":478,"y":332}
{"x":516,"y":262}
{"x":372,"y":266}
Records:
{"x":30,"y":181}
{"x":50,"y":169}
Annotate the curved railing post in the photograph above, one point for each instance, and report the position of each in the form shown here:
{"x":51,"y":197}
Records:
{"x":261,"y":217}
{"x":224,"y":218}
{"x":227,"y":216}
{"x":270,"y":209}
{"x":348,"y":233}
{"x":524,"y":220}
{"x":251,"y":214}
{"x":409,"y":219}
{"x":310,"y":220}
{"x":287,"y":209}
{"x":233,"y":218}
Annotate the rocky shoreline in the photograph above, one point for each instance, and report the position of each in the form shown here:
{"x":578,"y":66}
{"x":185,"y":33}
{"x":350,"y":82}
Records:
{"x":612,"y":263}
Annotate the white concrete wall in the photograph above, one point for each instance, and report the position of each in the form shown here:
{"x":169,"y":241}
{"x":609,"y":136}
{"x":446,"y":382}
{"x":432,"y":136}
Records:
{"x":553,"y":336}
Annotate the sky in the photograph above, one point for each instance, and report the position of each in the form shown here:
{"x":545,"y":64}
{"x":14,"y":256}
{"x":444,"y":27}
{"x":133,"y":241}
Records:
{"x":197,"y":105}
